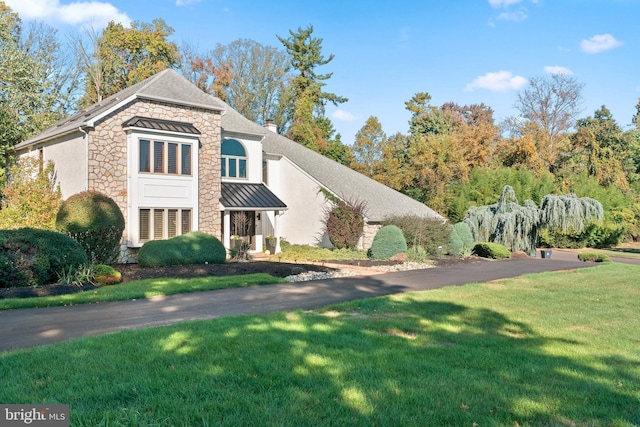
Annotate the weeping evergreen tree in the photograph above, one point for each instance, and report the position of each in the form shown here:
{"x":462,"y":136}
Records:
{"x":518,"y":227}
{"x":569,"y":213}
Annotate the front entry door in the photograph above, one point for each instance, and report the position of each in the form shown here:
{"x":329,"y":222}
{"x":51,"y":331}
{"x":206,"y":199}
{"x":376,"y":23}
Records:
{"x":243,"y":224}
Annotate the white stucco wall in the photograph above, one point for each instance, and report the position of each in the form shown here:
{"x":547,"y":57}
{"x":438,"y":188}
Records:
{"x":302,"y":222}
{"x":69,"y":156}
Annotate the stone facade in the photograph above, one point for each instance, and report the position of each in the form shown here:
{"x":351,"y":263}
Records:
{"x":107,"y":159}
{"x":369,"y":232}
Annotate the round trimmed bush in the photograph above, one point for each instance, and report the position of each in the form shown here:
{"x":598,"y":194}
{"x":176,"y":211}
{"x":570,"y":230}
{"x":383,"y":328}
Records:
{"x":387,"y":242}
{"x":95,"y":221}
{"x":104,"y":275}
{"x":32,"y":257}
{"x":196,"y":247}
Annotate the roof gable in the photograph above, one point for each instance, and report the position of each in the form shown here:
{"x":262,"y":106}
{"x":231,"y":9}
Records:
{"x":166,"y":86}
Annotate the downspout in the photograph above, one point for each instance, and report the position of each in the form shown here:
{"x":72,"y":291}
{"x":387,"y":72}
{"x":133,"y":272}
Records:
{"x":86,"y":156}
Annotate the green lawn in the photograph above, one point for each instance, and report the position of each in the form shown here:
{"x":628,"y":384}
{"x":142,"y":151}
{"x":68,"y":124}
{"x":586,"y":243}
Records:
{"x":142,"y":289}
{"x":546,"y":349}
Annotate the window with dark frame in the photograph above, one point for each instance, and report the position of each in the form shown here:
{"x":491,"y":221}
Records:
{"x":233,"y":159}
{"x":172,"y":158}
{"x":163,"y":223}
{"x":165,"y":157}
{"x":158,"y":156}
{"x":145,"y":155}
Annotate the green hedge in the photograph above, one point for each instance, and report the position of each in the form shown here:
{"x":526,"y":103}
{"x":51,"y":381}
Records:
{"x":491,"y":250}
{"x":387,"y":242}
{"x":196,"y":247}
{"x":593,"y":257}
{"x":32,"y":257}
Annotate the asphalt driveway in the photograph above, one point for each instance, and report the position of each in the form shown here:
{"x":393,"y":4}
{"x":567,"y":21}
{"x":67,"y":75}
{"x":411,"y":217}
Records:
{"x":25,"y":328}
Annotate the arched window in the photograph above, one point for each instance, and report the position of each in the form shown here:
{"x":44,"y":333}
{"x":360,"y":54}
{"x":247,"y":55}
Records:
{"x":234,"y":159}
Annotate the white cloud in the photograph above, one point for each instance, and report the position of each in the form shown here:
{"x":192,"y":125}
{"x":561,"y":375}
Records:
{"x":518,"y":16}
{"x":503,"y":3}
{"x":599,"y":43}
{"x":498,"y":82}
{"x":557,"y":69}
{"x":186,"y":2}
{"x":343,"y":116}
{"x":91,"y":13}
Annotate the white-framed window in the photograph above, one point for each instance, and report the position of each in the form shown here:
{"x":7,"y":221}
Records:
{"x":234,"y":159}
{"x":163,"y":223}
{"x":165,"y":157}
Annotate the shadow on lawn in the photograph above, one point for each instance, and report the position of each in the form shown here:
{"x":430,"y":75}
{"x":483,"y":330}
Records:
{"x":387,"y":363}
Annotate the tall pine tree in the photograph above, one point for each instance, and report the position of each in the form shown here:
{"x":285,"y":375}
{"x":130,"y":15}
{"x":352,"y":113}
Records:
{"x":307,"y":100}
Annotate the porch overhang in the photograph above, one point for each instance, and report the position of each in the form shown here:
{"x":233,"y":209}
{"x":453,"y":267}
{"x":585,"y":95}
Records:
{"x":249,"y":197}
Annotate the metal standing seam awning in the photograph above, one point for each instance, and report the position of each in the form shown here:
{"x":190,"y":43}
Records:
{"x":160,"y":124}
{"x":253,"y":197}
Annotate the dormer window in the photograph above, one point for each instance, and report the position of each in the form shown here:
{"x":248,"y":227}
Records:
{"x":234,"y":159}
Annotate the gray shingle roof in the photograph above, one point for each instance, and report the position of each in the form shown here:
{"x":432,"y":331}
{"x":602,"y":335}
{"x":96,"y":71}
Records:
{"x":249,"y":196}
{"x":382,"y":201}
{"x":166,"y":86}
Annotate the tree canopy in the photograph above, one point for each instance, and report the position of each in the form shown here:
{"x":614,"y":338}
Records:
{"x":123,"y":56}
{"x":36,"y":85}
{"x":305,"y":100}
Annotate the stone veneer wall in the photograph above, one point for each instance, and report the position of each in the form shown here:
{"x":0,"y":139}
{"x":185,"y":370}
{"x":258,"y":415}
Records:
{"x":369,"y":232}
{"x":107,"y":160}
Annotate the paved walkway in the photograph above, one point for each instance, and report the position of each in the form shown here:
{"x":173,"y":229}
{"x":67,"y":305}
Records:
{"x":25,"y":328}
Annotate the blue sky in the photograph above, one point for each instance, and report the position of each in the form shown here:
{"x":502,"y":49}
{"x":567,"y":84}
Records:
{"x":465,"y":51}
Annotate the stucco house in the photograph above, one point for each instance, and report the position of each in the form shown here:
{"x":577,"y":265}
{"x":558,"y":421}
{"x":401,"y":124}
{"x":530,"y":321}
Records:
{"x":176,"y":159}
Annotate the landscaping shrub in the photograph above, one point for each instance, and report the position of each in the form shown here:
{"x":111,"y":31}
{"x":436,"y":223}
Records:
{"x":303,"y":253}
{"x":30,"y":197}
{"x":32,"y":257}
{"x":426,"y":232}
{"x":463,"y":231}
{"x":593,"y":257}
{"x":344,"y":221}
{"x":95,"y":221}
{"x":491,"y":250}
{"x":605,"y":235}
{"x":240,"y":251}
{"x":196,"y":247}
{"x":76,"y":276}
{"x":456,"y":245}
{"x":416,"y":254}
{"x":104,"y":275}
{"x":387,"y":242}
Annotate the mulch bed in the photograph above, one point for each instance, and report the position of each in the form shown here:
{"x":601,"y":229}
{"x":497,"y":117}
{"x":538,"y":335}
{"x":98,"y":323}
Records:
{"x":131,"y":272}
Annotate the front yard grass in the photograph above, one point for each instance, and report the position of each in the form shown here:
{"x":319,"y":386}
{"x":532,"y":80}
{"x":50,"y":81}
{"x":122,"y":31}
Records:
{"x":545,"y":349}
{"x":142,"y":289}
{"x":306,"y":253}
